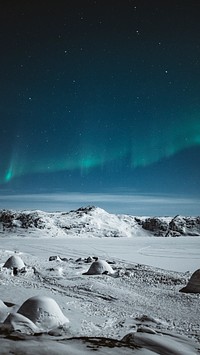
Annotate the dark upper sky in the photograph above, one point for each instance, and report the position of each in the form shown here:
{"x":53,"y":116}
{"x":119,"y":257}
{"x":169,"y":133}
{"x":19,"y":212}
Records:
{"x":100,"y":96}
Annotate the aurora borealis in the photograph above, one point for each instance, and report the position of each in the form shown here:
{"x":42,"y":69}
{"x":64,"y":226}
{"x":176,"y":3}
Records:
{"x":100,"y":96}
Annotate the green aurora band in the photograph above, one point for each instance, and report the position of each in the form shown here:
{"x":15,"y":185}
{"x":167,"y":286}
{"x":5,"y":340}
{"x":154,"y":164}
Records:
{"x":143,"y":148}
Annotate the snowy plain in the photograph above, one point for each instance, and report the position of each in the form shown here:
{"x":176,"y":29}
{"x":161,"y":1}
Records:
{"x":137,"y":309}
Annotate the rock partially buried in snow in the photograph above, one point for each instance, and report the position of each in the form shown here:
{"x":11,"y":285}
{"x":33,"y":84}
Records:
{"x":14,"y":262}
{"x":54,"y":257}
{"x":99,"y":267}
{"x":193,"y":285}
{"x":44,"y":312}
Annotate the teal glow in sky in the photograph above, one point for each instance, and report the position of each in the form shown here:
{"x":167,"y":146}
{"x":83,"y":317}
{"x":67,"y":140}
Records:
{"x":100,"y":94}
{"x":139,"y":148}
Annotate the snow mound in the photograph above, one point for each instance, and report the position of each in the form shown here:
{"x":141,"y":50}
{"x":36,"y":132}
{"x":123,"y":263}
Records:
{"x":193,"y":285}
{"x":19,"y":323}
{"x":99,"y":267}
{"x":14,"y":262}
{"x":161,"y":343}
{"x":44,"y":312}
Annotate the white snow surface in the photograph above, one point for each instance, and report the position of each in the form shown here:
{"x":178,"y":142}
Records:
{"x":51,"y":306}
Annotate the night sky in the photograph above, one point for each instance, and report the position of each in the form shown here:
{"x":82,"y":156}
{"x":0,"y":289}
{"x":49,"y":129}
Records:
{"x":100,"y":97}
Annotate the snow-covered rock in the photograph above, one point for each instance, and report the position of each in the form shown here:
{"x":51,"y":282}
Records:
{"x":14,"y":262}
{"x":44,"y":312}
{"x":99,"y":267}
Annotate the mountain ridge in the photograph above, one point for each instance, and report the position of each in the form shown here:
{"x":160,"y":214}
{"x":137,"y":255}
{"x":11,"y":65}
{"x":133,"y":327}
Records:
{"x":91,"y":221}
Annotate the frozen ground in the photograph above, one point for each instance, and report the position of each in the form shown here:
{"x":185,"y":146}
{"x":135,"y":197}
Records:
{"x":137,"y":309}
{"x":178,"y":254}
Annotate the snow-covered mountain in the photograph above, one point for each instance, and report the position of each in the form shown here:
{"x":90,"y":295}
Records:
{"x":95,"y":222}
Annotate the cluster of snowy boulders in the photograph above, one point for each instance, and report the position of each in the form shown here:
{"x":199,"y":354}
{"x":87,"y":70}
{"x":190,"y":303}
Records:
{"x":96,"y":222}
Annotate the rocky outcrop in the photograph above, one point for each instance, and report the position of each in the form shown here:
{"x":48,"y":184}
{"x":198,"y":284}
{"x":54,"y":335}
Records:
{"x":175,"y":227}
{"x":11,"y":219}
{"x":155,"y":225}
{"x":185,"y":225}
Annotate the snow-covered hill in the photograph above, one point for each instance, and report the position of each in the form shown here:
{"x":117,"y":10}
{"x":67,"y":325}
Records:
{"x":94,"y":222}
